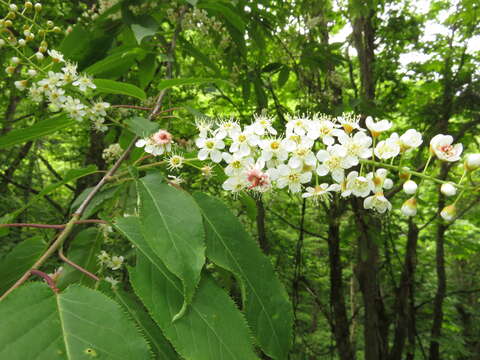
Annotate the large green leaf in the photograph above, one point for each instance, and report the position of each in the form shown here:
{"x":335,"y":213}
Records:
{"x":120,"y":88}
{"x":78,"y":323}
{"x":114,"y":65}
{"x":212,"y":328}
{"x":38,"y":130}
{"x":141,"y":127}
{"x":83,"y":250}
{"x":172,"y":226}
{"x":160,"y":345}
{"x":19,"y":260}
{"x":266,"y":304}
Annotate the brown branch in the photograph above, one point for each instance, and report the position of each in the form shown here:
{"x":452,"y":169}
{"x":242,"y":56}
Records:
{"x":47,"y":279}
{"x":76,"y":266}
{"x":311,"y":233}
{"x":133,"y":107}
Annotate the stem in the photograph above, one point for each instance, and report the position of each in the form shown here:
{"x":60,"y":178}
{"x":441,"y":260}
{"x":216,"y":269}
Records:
{"x":416,"y":173}
{"x":47,"y":279}
{"x":51,"y":226}
{"x":132,"y":107}
{"x":76,"y":266}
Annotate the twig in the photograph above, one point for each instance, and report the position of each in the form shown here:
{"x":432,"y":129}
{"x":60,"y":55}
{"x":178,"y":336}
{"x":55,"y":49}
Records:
{"x":52,"y":226}
{"x":47,"y":279}
{"x":76,"y":266}
{"x":132,"y":107}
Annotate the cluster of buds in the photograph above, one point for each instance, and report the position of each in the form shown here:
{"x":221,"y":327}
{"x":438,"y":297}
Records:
{"x":112,"y":262}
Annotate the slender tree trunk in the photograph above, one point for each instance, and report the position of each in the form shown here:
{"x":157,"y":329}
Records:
{"x":340,"y":321}
{"x":261,"y":229}
{"x":405,"y":321}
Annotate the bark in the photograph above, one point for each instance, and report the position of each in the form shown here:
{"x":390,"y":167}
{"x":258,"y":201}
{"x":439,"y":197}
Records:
{"x":340,"y":323}
{"x":405,"y":328}
{"x":9,"y":173}
{"x":261,"y":229}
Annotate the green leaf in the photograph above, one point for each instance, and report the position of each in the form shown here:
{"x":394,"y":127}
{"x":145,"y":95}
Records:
{"x":212,"y":328}
{"x":78,"y":323}
{"x":191,"y":50}
{"x":19,"y":260}
{"x":140,"y":126}
{"x":165,"y":84}
{"x":160,"y":345}
{"x":120,"y":88}
{"x":38,"y":130}
{"x":283,"y":76}
{"x":83,"y":250}
{"x":114,"y":65}
{"x":147,"y":26}
{"x":272,"y":67}
{"x":146,"y":70}
{"x":266,"y":304}
{"x":98,"y":200}
{"x":172,"y":225}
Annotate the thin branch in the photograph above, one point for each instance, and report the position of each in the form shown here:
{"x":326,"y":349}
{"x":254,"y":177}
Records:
{"x":47,"y":279}
{"x":295,"y":226}
{"x":52,"y":226}
{"x":76,"y":266}
{"x":53,"y":171}
{"x":133,"y":107}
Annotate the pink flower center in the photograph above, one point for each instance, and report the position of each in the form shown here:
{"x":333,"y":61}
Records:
{"x":447,"y":149}
{"x":257,"y":178}
{"x":162,"y":137}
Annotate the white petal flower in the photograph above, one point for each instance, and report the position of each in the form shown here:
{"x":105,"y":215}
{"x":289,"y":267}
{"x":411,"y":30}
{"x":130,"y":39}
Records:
{"x":235,"y":184}
{"x":357,"y":146}
{"x":448,"y":189}
{"x":263,"y":125}
{"x":334,"y":160}
{"x":324,"y":129}
{"x":472,"y":162}
{"x":242,"y":142}
{"x":227,"y":128}
{"x":410,"y":187}
{"x":411,"y":139}
{"x":157,"y":143}
{"x":293,"y":178}
{"x":210,"y":147}
{"x":376,"y":128}
{"x":441,"y":146}
{"x":360,"y":186}
{"x":274,"y":148}
{"x":322,"y":191}
{"x":377,"y":202}
{"x":387,"y":149}
{"x":237,"y":164}
{"x":409,"y":207}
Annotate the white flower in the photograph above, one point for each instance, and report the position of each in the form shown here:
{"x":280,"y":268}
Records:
{"x":335,"y":161}
{"x":274,"y":148}
{"x":175,"y":162}
{"x":349,"y":122}
{"x":297,"y":125}
{"x":84,"y":83}
{"x":357,"y":146}
{"x":448,"y":213}
{"x":263,"y":125}
{"x":69,"y":72}
{"x":293,"y":178}
{"x":387,"y":149}
{"x":100,"y":107}
{"x":441,"y":146}
{"x":377,"y":202}
{"x":411,"y":139}
{"x":235,"y":184}
{"x":302,"y":158}
{"x":409,"y":207}
{"x":242,"y":141}
{"x":35,"y":93}
{"x":115,"y":262}
{"x":322,"y":191}
{"x":57,"y":97}
{"x":204,"y":126}
{"x":103,"y":257}
{"x":113,"y":282}
{"x":74,"y":108}
{"x":448,"y":189}
{"x":51,"y":82}
{"x":56,"y":56}
{"x":381,"y":181}
{"x":360,"y":186}
{"x":114,"y":151}
{"x":157,"y":143}
{"x":175,"y":180}
{"x":376,"y":128}
{"x":323,"y":129}
{"x":21,"y":84}
{"x":227,"y":128}
{"x":410,"y":187}
{"x":210,"y":148}
{"x":472,"y":162}
{"x":236,"y":163}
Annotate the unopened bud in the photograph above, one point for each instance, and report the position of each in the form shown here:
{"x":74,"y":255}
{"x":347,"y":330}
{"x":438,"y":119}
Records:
{"x":2,"y":43}
{"x":13,"y":7}
{"x":8,"y":23}
{"x":50,"y":23}
{"x":15,"y":60}
{"x":22,"y":42}
{"x":448,"y":189}
{"x":57,"y":29}
{"x":21,"y":84}
{"x":448,"y":213}
{"x":10,"y":70}
{"x":404,"y":173}
{"x":409,"y":207}
{"x":38,"y":7}
{"x":472,"y":162}
{"x":410,"y":187}
{"x":388,"y":184}
{"x":28,"y":5}
{"x":39,"y":55}
{"x":32,"y":72}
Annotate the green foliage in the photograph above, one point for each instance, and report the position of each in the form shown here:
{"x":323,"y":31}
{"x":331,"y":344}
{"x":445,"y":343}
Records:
{"x":106,"y":86}
{"x":79,"y":323}
{"x":265,"y":301}
{"x":172,"y":226}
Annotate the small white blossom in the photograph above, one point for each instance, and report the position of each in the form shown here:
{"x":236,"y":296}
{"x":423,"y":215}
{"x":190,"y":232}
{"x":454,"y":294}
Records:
{"x":441,"y":146}
{"x":376,"y":128}
{"x":156,"y":144}
{"x":448,"y":189}
{"x":321,"y":192}
{"x":360,"y":186}
{"x":411,"y":139}
{"x":84,"y":83}
{"x":210,"y":148}
{"x":387,"y":149}
{"x":115,"y":262}
{"x":56,"y":56}
{"x":409,"y":207}
{"x":334,"y":160}
{"x":263,"y":125}
{"x":293,"y":178}
{"x":410,"y":187}
{"x":377,"y":202}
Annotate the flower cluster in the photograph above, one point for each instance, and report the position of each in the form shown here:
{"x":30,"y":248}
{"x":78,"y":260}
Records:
{"x":112,"y":262}
{"x":157,"y":143}
{"x":316,"y":148}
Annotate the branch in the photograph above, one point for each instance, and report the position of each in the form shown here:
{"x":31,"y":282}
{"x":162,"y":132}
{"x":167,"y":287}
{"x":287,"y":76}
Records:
{"x":76,"y":266}
{"x":51,"y":226}
{"x":311,"y":233}
{"x":47,"y":279}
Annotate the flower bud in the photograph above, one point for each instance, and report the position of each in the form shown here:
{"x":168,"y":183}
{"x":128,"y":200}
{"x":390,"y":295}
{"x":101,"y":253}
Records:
{"x":8,"y":23}
{"x":13,"y":7}
{"x":410,"y":187}
{"x":22,"y":42}
{"x":10,"y":70}
{"x":448,"y":213}
{"x":38,"y":7}
{"x":448,"y":189}
{"x":21,"y":84}
{"x":39,"y":55}
{"x":28,"y":5}
{"x":404,"y":173}
{"x":2,"y":43}
{"x":32,"y":72}
{"x":15,"y":60}
{"x":472,"y":162}
{"x":409,"y":207}
{"x":50,"y":23}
